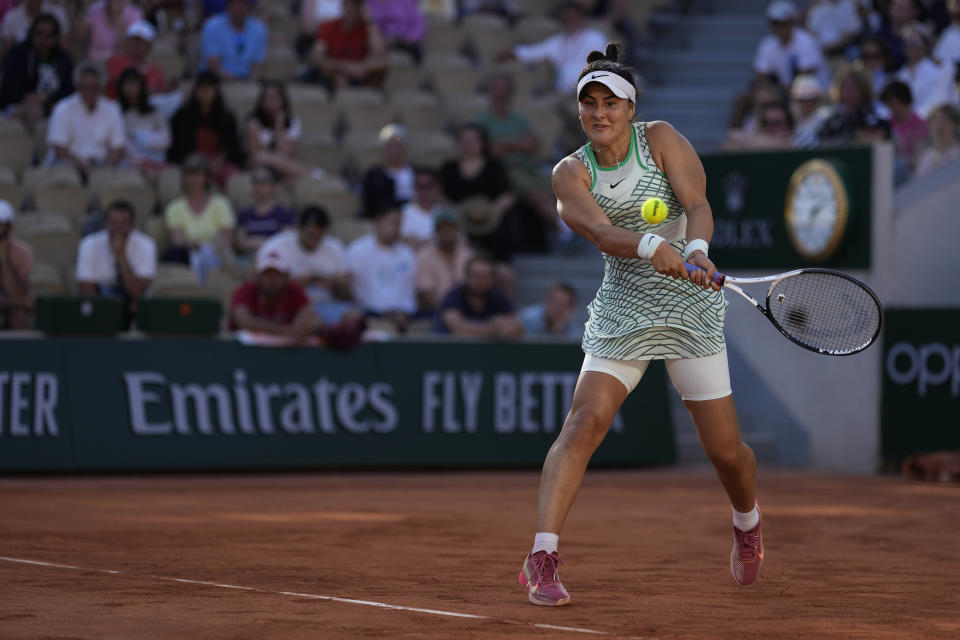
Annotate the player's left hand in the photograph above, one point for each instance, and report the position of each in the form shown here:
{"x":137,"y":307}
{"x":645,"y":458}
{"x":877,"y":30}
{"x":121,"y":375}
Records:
{"x":703,"y":278}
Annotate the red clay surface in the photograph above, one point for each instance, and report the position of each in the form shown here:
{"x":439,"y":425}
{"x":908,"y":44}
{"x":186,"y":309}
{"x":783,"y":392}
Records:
{"x":646,"y":556}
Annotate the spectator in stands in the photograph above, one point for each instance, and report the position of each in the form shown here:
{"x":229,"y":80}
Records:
{"x":318,"y":261}
{"x":119,"y":261}
{"x":273,"y":132}
{"x":514,"y":142}
{"x":16,"y":261}
{"x":566,"y":51}
{"x":383,"y":270}
{"x":392,"y":182}
{"x":910,"y":131}
{"x":898,"y":14}
{"x":18,"y":22}
{"x":477,"y":309}
{"x":441,"y":265}
{"x":852,"y":95}
{"x":417,"y":226}
{"x":774,"y":130}
{"x":204,"y":125}
{"x":349,"y":50}
{"x":136,"y":50}
{"x":86,"y":129}
{"x":480,"y":186}
{"x":401,"y":24}
{"x":763,"y":91}
{"x":789,"y":50}
{"x":37,"y":73}
{"x":234,"y":43}
{"x":506,"y":8}
{"x":147,"y":131}
{"x":105,"y":21}
{"x":835,"y":24}
{"x":926,"y":78}
{"x":807,"y":110}
{"x":200,"y":222}
{"x":876,"y":61}
{"x":313,"y":13}
{"x":265,"y":217}
{"x":554,"y":315}
{"x":273,"y":303}
{"x":944,"y":123}
{"x":947,"y":50}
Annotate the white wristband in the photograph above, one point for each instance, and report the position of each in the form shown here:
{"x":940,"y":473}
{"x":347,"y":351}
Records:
{"x":648,"y":245}
{"x":695,"y":245}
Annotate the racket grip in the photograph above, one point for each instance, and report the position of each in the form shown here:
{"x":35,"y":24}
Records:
{"x":718,"y":277}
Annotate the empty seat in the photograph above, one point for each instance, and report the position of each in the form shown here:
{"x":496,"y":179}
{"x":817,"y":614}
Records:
{"x":141,"y":197}
{"x":432,"y":149}
{"x":349,"y":229}
{"x":51,"y":236}
{"x":169,"y":185}
{"x":16,"y":148}
{"x":46,"y":280}
{"x":10,"y":189}
{"x":174,"y":280}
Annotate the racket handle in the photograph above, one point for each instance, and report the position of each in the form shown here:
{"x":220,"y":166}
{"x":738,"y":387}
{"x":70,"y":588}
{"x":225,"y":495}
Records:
{"x":718,"y":277}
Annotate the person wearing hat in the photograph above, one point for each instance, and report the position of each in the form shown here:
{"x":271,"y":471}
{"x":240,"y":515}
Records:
{"x":16,"y":261}
{"x":789,"y":50}
{"x":272,"y":302}
{"x":442,"y":264}
{"x":234,"y":43}
{"x":650,"y":306}
{"x":807,"y":109}
{"x":391,"y":181}
{"x":134,"y":55}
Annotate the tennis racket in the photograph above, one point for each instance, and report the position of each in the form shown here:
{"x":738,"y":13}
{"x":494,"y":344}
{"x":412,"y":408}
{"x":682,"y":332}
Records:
{"x":822,"y":310}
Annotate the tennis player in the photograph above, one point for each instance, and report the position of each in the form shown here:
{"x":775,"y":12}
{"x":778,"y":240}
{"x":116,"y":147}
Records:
{"x":647,"y":308}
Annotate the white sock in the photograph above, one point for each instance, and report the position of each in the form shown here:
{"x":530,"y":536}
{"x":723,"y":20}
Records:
{"x":545,"y":541}
{"x":746,"y":521}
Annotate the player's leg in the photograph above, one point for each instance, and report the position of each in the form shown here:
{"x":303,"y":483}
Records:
{"x":704,"y":385}
{"x":601,"y":389}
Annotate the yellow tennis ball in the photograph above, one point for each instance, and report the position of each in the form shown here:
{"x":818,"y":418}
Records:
{"x":654,"y":211}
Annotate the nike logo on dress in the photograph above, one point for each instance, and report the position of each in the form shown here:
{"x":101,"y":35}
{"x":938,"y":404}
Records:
{"x":615,"y":184}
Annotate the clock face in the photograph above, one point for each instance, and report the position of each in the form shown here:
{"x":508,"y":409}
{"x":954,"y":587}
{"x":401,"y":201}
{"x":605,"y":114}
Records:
{"x":816,"y":212}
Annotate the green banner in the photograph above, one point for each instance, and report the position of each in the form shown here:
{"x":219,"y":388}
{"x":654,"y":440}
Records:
{"x":98,"y":404}
{"x":921,"y":382}
{"x":783,"y":210}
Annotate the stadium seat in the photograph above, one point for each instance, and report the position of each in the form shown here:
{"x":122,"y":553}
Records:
{"x":46,"y":280}
{"x":40,"y":140}
{"x":465,"y":107}
{"x":241,"y":97}
{"x":321,"y":150}
{"x":51,"y":236}
{"x":169,"y":60}
{"x":443,"y":37}
{"x":10,"y":189}
{"x":177,"y":281}
{"x":545,"y":7}
{"x":339,"y":204}
{"x":280,"y":64}
{"x":142,"y":197}
{"x":169,"y":185}
{"x":318,"y":117}
{"x":115,"y":177}
{"x":304,"y":96}
{"x":418,"y":110}
{"x":352,"y":97}
{"x":368,"y":116}
{"x":221,"y":283}
{"x":534,"y":28}
{"x":156,"y":228}
{"x":349,"y":229}
{"x":240,"y":190}
{"x":432,"y":149}
{"x":402,"y":79}
{"x":63,"y":175}
{"x":16,"y":147}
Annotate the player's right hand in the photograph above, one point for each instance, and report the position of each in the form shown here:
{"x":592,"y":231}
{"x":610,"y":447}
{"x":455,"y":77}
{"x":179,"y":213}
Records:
{"x":669,"y":262}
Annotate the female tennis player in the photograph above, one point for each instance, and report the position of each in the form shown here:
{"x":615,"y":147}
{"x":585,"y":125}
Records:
{"x":647,"y":308}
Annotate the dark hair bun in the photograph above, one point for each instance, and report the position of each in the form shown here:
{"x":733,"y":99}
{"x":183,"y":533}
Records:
{"x":612,"y":54}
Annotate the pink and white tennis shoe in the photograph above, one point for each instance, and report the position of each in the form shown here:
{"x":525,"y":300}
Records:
{"x":540,"y":578}
{"x":747,"y":555}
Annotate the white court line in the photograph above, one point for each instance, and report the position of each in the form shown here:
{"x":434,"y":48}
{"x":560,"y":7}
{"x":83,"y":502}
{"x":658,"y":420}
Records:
{"x":312,"y":596}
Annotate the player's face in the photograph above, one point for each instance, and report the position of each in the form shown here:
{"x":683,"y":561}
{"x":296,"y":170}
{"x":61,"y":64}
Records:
{"x":603,"y":116}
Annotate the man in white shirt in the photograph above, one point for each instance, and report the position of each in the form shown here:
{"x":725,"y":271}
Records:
{"x":383,"y":271}
{"x":86,"y":129}
{"x":835,"y":24}
{"x":947,"y":50}
{"x":789,"y":50}
{"x":118,"y":261}
{"x":929,"y":82}
{"x":567,"y":51}
{"x":317,"y":261}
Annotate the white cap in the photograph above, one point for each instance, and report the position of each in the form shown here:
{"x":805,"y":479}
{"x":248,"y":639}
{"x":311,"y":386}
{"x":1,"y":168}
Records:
{"x":143,"y":30}
{"x":272,"y":259}
{"x":619,"y":86}
{"x":781,"y":11}
{"x":6,"y":212}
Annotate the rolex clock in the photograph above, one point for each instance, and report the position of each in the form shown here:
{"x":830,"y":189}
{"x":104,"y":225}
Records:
{"x":817,"y":209}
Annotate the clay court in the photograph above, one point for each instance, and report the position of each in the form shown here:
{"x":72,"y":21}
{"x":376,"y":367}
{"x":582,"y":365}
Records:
{"x":435,"y":555}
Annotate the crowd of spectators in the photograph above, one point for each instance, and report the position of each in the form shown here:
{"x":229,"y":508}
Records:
{"x":92,"y":84}
{"x":842,"y":71}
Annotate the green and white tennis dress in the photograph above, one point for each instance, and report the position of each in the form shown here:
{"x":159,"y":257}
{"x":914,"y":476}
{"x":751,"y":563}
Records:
{"x":639,"y":314}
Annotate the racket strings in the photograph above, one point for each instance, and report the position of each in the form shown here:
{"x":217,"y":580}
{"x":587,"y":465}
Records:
{"x":825,"y":312}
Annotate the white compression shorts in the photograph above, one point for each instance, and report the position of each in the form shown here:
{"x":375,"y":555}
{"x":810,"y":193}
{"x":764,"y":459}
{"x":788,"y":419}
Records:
{"x":695,"y":379}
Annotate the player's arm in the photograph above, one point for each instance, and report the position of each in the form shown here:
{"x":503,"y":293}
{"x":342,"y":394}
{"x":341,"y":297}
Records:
{"x":577,"y":208}
{"x":677,"y":158}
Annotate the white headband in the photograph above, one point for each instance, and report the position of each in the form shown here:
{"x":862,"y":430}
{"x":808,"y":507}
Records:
{"x":620,"y":87}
